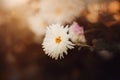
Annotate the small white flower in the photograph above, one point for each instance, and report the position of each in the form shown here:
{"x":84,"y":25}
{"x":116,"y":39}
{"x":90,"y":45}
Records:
{"x":56,"y":41}
{"x":77,"y":34}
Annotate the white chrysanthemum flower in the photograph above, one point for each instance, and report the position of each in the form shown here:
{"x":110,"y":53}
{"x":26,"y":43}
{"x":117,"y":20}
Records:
{"x":77,"y":34}
{"x":56,"y":41}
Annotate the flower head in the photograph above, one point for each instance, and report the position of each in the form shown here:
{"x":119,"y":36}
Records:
{"x":77,"y":34}
{"x":56,"y":41}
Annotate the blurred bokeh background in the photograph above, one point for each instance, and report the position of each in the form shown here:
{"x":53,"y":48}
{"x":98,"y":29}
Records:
{"x":22,"y":56}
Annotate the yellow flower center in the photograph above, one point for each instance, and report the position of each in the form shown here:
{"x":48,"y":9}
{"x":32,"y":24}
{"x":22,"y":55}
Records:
{"x":58,"y":40}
